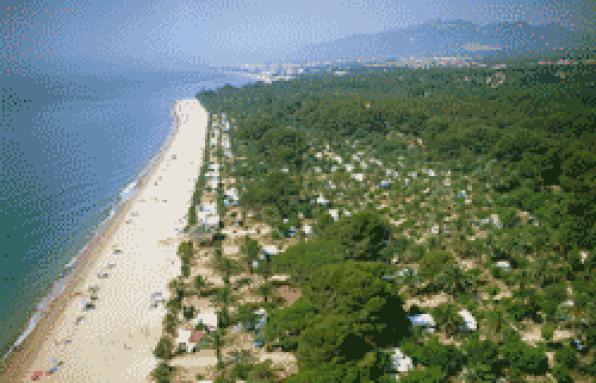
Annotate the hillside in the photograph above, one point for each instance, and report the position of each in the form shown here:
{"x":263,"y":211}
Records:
{"x":449,"y":38}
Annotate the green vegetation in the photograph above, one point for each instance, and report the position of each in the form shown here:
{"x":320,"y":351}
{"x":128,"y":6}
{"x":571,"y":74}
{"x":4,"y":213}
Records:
{"x":185,"y":251}
{"x":164,"y":348}
{"x":162,"y":373}
{"x":347,"y":311}
{"x":428,"y":191}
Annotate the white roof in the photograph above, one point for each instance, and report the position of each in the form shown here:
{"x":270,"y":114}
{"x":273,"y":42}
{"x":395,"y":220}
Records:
{"x":183,"y":336}
{"x":334,"y":213}
{"x":495,"y":220}
{"x":422,"y":320}
{"x":307,"y":229}
{"x":321,"y":200}
{"x":208,"y":207}
{"x":358,"y":177}
{"x":209,"y":319}
{"x":469,"y":320}
{"x":211,"y":220}
{"x":232,"y":193}
{"x":279,"y":278}
{"x":270,"y":249}
{"x":402,"y":362}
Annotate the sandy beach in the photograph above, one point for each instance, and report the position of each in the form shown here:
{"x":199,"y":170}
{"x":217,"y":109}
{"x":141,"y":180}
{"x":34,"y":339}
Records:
{"x":104,"y":328}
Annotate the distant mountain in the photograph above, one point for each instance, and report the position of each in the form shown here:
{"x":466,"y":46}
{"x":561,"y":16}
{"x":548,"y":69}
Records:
{"x":446,"y":38}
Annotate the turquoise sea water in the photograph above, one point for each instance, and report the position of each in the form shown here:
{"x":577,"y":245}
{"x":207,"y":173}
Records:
{"x":70,"y":151}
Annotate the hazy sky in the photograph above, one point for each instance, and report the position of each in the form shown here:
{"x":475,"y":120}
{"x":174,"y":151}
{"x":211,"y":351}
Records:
{"x":179,"y":34}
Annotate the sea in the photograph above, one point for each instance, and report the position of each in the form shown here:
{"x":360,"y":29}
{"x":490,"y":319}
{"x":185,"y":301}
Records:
{"x":71,"y":151}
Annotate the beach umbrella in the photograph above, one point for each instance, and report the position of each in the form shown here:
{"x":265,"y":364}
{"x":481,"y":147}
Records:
{"x":36,"y":375}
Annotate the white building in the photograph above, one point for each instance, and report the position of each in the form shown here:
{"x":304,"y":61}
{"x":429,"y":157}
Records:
{"x":183,"y":339}
{"x":267,"y":251}
{"x":307,"y":229}
{"x":494,"y":218}
{"x":358,"y":177}
{"x":503,"y":265}
{"x":425,"y":321}
{"x":210,"y":222}
{"x":470,"y":323}
{"x":231,"y":197}
{"x":322,"y":201}
{"x":401,"y":362}
{"x":210,"y":208}
{"x":207,"y":319}
{"x":334,"y":213}
{"x":188,"y":340}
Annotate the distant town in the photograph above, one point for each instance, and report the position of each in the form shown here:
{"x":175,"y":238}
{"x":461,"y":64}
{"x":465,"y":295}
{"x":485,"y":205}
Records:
{"x":270,"y":72}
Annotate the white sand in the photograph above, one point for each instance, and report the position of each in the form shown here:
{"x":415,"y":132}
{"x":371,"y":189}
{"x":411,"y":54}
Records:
{"x":114,"y":342}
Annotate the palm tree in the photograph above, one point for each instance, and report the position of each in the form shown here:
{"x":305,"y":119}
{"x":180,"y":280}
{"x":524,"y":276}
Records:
{"x":448,"y":317}
{"x":452,"y":280}
{"x":496,"y":322}
{"x":250,"y":249}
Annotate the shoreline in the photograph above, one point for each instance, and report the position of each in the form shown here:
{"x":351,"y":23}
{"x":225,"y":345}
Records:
{"x":76,"y":264}
{"x":20,"y":360}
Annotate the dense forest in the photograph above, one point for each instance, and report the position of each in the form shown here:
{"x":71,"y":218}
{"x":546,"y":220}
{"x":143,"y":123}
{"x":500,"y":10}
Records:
{"x":479,"y":193}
